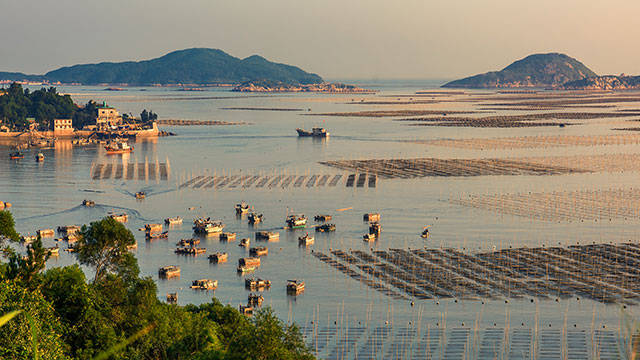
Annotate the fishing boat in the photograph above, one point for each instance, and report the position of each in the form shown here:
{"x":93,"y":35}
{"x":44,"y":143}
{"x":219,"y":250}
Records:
{"x":16,"y":155}
{"x":40,"y":157}
{"x":245,"y":242}
{"x":295,"y":286}
{"x":204,"y":284}
{"x":118,"y":147}
{"x":45,"y":232}
{"x":315,"y":132}
{"x":245,"y":310}
{"x":190,"y":250}
{"x":326,"y":228}
{"x":257,"y":283}
{"x":375,"y":228}
{"x":255,"y":218}
{"x":219,"y":257}
{"x":255,"y":300}
{"x":306,"y":240}
{"x":267,"y":235}
{"x":152,"y":228}
{"x":140,"y":195}
{"x":242,"y":208}
{"x":188,"y":242}
{"x":296,"y":221}
{"x":173,"y":221}
{"x":169,"y":271}
{"x":371,"y":217}
{"x":157,"y":235}
{"x":259,"y":251}
{"x":207,"y":226}
{"x":322,"y":218}
{"x":68,"y":229}
{"x":425,"y":232}
{"x":27,"y":239}
{"x":121,"y":218}
{"x":172,"y":298}
{"x":53,"y":251}
{"x":227,"y":236}
{"x":248,"y":264}
{"x":369,"y":237}
{"x":88,"y":203}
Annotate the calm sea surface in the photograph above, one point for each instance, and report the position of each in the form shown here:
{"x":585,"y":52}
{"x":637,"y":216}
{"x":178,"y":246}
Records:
{"x":49,"y":194}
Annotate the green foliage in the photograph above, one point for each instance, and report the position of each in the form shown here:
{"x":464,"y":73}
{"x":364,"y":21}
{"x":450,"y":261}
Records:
{"x":148,"y":116}
{"x":44,"y":105}
{"x":26,"y":268}
{"x":189,"y":66}
{"x":7,"y":226}
{"x":103,"y":245}
{"x":17,"y":340}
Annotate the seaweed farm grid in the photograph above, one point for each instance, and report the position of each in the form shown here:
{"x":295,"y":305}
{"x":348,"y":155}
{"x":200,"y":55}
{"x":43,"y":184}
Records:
{"x":414,"y":341}
{"x":240,"y":182}
{"x":603,"y":273}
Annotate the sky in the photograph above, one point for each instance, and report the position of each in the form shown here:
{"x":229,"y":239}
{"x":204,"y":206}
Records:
{"x":337,"y":39}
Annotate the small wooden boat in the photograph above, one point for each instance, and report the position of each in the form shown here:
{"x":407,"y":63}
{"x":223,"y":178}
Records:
{"x":140,"y":195}
{"x":259,"y":251}
{"x":425,"y":232}
{"x":322,"y":218}
{"x":16,"y":155}
{"x":255,"y":218}
{"x":375,"y":228}
{"x":122,"y":218}
{"x":207,"y":226}
{"x":257,"y":283}
{"x":369,"y":237}
{"x":295,"y":286}
{"x":326,"y":228}
{"x":267,"y":235}
{"x":255,"y":300}
{"x":227,"y":236}
{"x":315,"y":132}
{"x":246,"y":268}
{"x":28,"y":239}
{"x":157,"y":235}
{"x":219,"y":257}
{"x":245,"y":242}
{"x":296,"y":221}
{"x":248,"y":264}
{"x":151,"y":228}
{"x":68,"y":230}
{"x":169,"y":271}
{"x":371,"y":217}
{"x":118,"y":147}
{"x":204,"y":284}
{"x":88,"y":203}
{"x":190,"y":250}
{"x":188,"y":242}
{"x":45,"y":232}
{"x":245,"y":310}
{"x":173,"y":221}
{"x":40,"y":157}
{"x":242,"y":208}
{"x":172,"y":298}
{"x":306,"y":240}
{"x":53,"y":251}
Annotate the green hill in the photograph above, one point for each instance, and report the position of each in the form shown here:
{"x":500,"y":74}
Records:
{"x":538,"y":70}
{"x":190,"y":66}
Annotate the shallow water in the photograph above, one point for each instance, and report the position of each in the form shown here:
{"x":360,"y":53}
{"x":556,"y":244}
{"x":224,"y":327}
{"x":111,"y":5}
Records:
{"x":45,"y":195}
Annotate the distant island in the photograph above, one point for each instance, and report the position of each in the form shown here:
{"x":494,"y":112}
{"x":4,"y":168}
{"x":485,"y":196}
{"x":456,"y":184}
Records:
{"x":538,"y":70}
{"x":197,"y":66}
{"x":277,"y":86}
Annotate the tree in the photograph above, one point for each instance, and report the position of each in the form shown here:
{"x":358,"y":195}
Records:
{"x":144,"y":116}
{"x":26,"y":268}
{"x":104,"y":245}
{"x":7,"y":226}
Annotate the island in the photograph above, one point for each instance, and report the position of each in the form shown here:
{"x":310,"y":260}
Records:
{"x":534,"y":71}
{"x":277,"y":86}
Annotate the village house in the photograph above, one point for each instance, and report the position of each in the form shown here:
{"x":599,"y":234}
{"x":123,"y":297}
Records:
{"x":107,"y":116}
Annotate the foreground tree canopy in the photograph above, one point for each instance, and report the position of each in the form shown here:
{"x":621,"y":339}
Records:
{"x":118,"y":314}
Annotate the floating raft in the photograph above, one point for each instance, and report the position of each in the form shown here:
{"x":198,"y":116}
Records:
{"x":142,"y":171}
{"x":233,"y":182}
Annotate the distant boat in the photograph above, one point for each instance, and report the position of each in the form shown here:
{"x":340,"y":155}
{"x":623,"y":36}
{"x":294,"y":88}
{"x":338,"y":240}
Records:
{"x":16,"y":155}
{"x":40,"y":157}
{"x":315,"y":132}
{"x":296,"y":222}
{"x":118,"y":147}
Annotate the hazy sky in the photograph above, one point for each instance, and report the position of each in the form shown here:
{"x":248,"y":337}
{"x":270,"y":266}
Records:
{"x":334,"y":38}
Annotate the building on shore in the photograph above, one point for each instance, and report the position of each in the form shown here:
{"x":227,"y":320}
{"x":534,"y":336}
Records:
{"x":62,"y":127}
{"x":107,"y":117}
